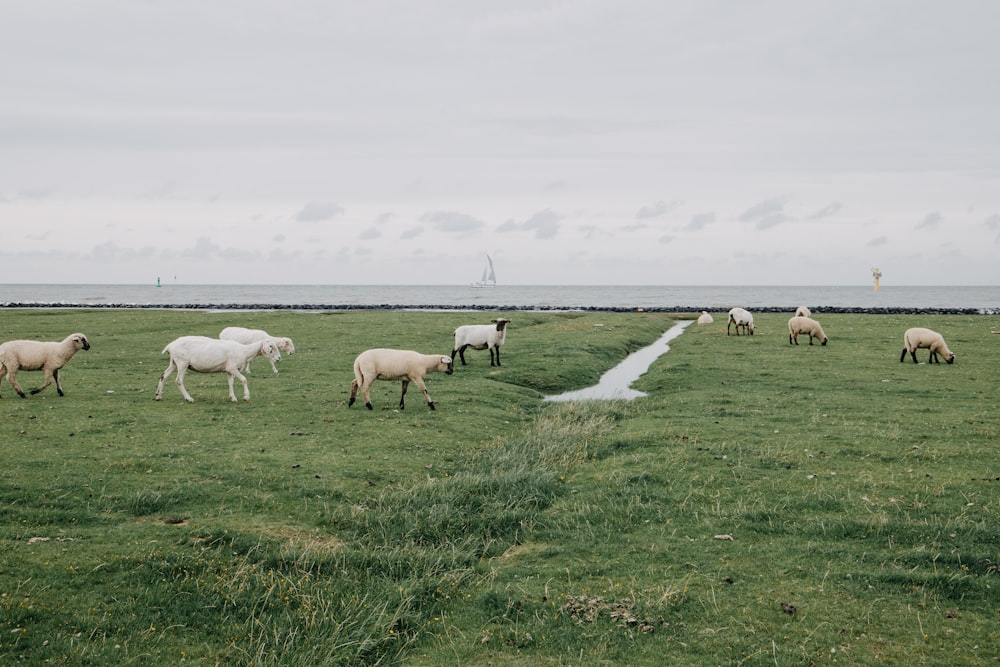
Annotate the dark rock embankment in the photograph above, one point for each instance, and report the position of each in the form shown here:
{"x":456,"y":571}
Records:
{"x":500,"y":307}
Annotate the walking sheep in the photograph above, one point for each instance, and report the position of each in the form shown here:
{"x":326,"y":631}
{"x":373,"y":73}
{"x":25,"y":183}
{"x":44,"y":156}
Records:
{"x":405,"y":365}
{"x":805,"y":325}
{"x":741,"y":318}
{"x":919,"y":337}
{"x":242,"y":335}
{"x":33,"y":355}
{"x":481,"y":337}
{"x":211,"y":355}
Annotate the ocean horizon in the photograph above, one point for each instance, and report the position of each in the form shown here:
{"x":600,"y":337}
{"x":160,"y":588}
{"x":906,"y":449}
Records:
{"x":669,"y":298}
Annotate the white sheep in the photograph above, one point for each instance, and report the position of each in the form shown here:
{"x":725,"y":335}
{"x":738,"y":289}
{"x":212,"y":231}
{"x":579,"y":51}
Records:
{"x":919,"y":337}
{"x":242,"y":335}
{"x":803,"y":311}
{"x":481,"y":337}
{"x":33,"y":355}
{"x":805,"y":325}
{"x":211,"y":355}
{"x":741,"y":318}
{"x":405,"y":365}
{"x":705,"y":318}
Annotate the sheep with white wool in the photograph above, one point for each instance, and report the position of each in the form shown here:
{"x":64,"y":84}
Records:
{"x":481,"y":337}
{"x":803,"y":311}
{"x":211,"y":355}
{"x":243,"y":335}
{"x":705,"y":318}
{"x":33,"y":355}
{"x":919,"y":337}
{"x":404,"y":365}
{"x":741,"y":318}
{"x":805,"y":325}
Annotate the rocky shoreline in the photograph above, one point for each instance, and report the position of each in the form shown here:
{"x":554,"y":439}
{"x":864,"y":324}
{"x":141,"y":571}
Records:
{"x":498,"y":307}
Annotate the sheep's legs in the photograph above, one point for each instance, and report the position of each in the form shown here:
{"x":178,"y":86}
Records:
{"x":366,"y":388}
{"x":12,"y":378}
{"x":461,"y":354}
{"x":49,"y":377}
{"x":498,"y":355}
{"x":423,"y":388}
{"x":235,"y":373}
{"x":406,"y":384}
{"x":163,"y":376}
{"x":181,"y":370}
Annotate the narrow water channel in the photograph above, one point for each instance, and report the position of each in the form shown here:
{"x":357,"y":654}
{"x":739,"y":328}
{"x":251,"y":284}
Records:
{"x":617,"y":382}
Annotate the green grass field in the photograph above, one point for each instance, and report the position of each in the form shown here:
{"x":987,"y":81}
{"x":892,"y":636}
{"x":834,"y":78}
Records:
{"x":765,"y":504}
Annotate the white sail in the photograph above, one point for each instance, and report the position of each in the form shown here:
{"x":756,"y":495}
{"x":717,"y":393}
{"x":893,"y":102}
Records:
{"x":489,"y":278}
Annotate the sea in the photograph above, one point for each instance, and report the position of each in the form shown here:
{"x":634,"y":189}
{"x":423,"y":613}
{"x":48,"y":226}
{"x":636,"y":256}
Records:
{"x":665,"y":298}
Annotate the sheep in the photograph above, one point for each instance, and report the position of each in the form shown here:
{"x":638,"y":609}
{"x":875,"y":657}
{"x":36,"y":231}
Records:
{"x":741,"y":318}
{"x":918,"y":337}
{"x":803,"y":311}
{"x":805,"y":325}
{"x":405,"y":365}
{"x":705,"y":318}
{"x":33,"y":355}
{"x":211,"y":355}
{"x":242,"y":335}
{"x":481,"y":337}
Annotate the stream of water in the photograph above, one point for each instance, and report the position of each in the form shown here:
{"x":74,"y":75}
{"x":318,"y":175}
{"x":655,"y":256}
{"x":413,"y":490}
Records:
{"x":617,"y":382}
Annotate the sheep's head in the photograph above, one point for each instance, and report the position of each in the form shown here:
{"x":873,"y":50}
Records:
{"x":501,"y":323}
{"x":449,"y":366}
{"x":80,"y":341}
{"x":270,"y":350}
{"x":950,"y":358}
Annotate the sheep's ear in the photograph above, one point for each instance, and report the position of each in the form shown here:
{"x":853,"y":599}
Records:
{"x":445,"y":360}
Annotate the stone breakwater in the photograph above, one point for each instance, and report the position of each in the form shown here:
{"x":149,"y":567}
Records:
{"x":503,"y":308}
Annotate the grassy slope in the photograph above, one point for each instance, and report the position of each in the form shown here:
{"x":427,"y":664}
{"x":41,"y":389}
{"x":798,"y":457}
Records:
{"x":858,"y":490}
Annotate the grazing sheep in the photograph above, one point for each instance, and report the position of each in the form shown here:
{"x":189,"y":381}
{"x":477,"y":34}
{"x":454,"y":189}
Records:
{"x":33,"y":355}
{"x":405,"y":365}
{"x":241,"y":335}
{"x":803,"y":311}
{"x":804,"y":325}
{"x":481,"y":337}
{"x":211,"y":355}
{"x":741,"y":318}
{"x":919,"y":337}
{"x":705,"y":318}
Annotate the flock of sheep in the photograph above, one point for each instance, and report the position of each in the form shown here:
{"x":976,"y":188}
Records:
{"x":914,"y":338}
{"x":236,"y":347}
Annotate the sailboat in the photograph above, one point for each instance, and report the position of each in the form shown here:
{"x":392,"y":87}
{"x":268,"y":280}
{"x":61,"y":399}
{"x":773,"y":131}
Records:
{"x":489,"y":278}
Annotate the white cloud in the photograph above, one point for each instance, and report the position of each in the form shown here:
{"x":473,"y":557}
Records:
{"x":319,"y":212}
{"x":544,"y":224}
{"x":452,"y":222}
{"x":699,"y":221}
{"x":930,"y":221}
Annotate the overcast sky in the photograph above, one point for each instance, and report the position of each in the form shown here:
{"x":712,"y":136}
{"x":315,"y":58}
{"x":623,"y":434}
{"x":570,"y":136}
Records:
{"x":577,"y":142}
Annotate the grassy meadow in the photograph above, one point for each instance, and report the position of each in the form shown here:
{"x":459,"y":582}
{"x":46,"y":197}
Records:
{"x":765,"y":504}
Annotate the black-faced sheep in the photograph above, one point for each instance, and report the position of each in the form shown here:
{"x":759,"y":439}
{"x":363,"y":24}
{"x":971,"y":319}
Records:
{"x":242,"y":335}
{"x":405,"y":365}
{"x":741,"y":318}
{"x":804,"y":325}
{"x":481,"y":337}
{"x":211,"y":355}
{"x":919,"y":337}
{"x":33,"y":355}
